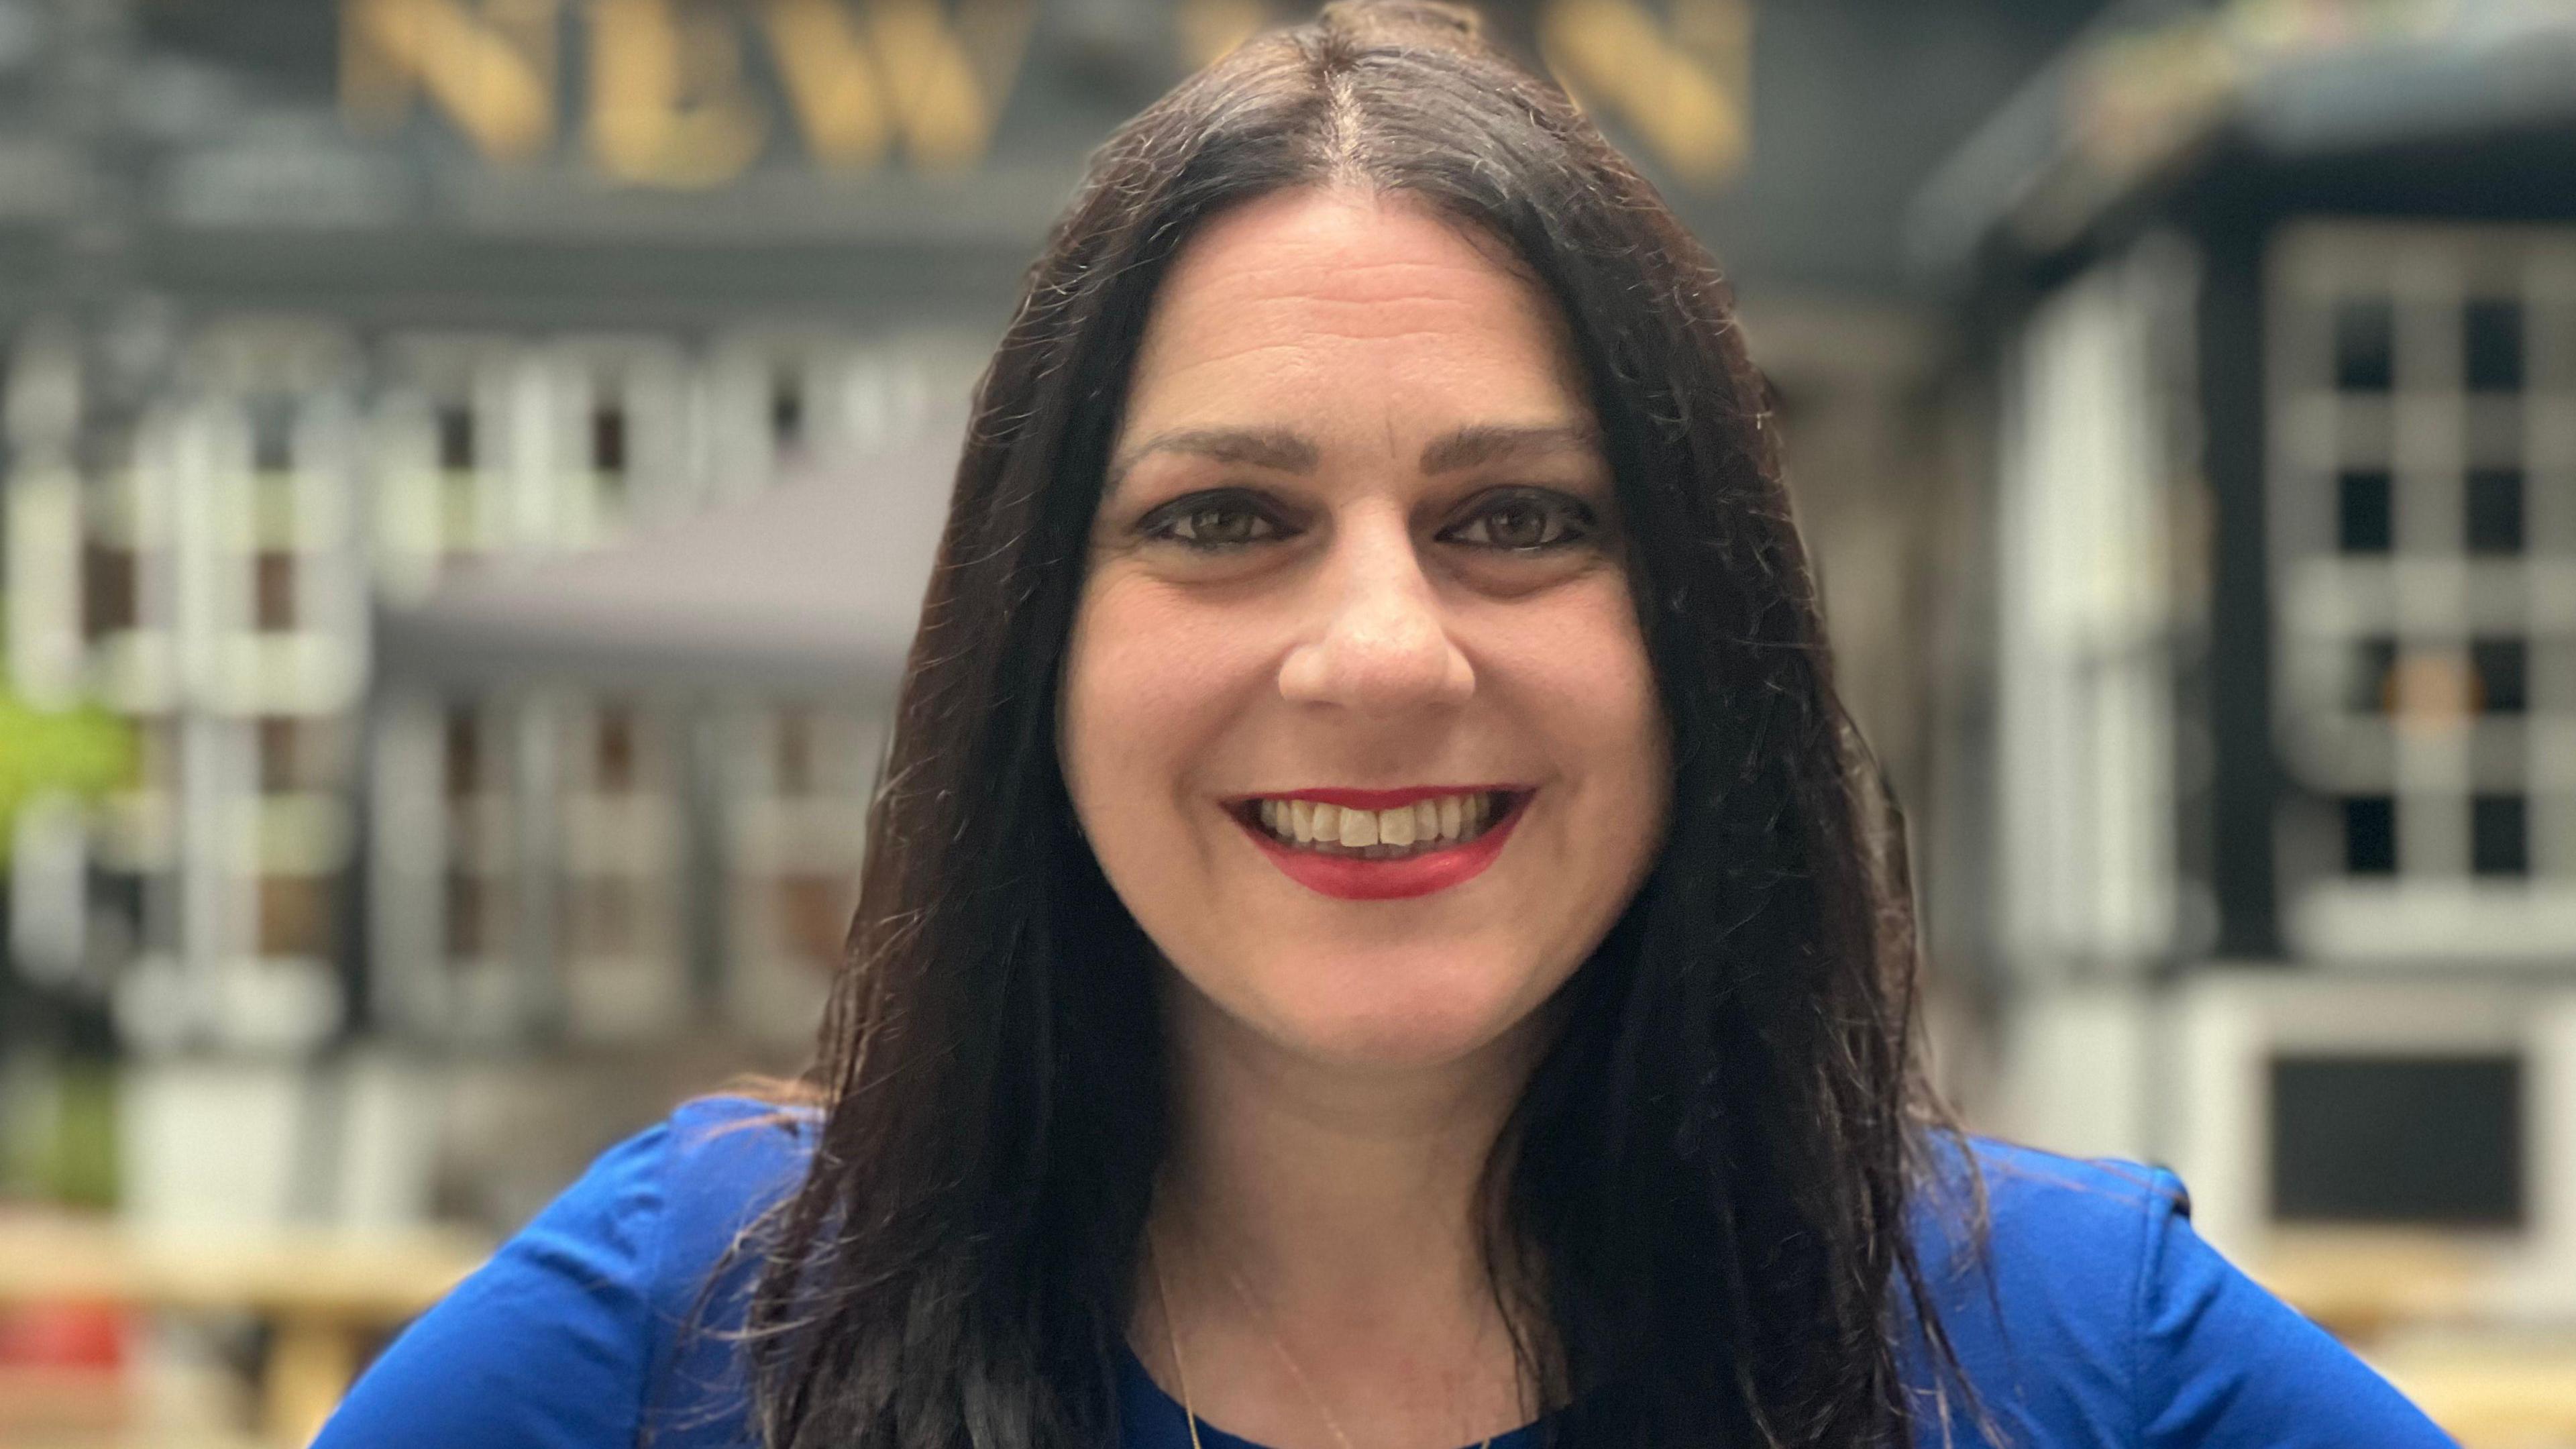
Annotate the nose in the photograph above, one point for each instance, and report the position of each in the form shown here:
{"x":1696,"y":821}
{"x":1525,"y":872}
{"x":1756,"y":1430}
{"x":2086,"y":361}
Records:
{"x":1380,"y":643}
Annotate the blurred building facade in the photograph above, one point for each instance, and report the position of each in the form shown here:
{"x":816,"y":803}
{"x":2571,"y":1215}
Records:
{"x":2180,"y":402}
{"x":2281,"y":331}
{"x":301,"y":340}
{"x":318,"y":311}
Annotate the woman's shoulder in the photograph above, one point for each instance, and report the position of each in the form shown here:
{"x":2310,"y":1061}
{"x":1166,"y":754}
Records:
{"x":1991,"y":1215}
{"x":2022,"y":1248}
{"x":607,"y":1313}
{"x":2042,"y":1205}
{"x":2084,"y":1307}
{"x":723,"y":1161}
{"x":689,"y":1189}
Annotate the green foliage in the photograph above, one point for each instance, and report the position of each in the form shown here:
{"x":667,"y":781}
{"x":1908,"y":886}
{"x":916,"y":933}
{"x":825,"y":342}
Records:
{"x":58,"y":1135}
{"x":84,"y":750}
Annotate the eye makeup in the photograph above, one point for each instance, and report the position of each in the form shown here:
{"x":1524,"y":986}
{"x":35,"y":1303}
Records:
{"x":1213,"y":520}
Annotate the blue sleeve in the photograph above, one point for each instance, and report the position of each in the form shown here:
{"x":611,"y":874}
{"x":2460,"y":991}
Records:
{"x":2222,"y":1363}
{"x":544,"y":1347}
{"x":2092,"y":1314}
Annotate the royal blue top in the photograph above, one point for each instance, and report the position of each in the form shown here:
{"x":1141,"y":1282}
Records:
{"x":2109,"y":1322}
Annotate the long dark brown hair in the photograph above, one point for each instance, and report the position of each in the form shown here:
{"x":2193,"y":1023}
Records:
{"x":1702,"y":1199}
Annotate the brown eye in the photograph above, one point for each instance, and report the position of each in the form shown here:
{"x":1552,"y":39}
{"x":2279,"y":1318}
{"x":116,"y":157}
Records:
{"x":1210,"y":523}
{"x":1221,"y":524}
{"x":1526,"y":521}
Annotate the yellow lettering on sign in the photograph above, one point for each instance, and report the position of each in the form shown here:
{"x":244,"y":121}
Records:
{"x":490,"y":66}
{"x":1684,"y":89}
{"x":861,"y":77}
{"x":667,"y":102}
{"x":831,"y":81}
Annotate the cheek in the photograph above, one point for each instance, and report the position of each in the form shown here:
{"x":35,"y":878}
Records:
{"x":1147,"y":687}
{"x":1609,"y":705}
{"x":1585,"y":673}
{"x":1591,"y":690}
{"x":1632,"y":712}
{"x":1105,"y":682}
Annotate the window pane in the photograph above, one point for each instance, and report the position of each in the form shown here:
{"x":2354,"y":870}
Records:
{"x":455,"y":438}
{"x":608,"y":439}
{"x":2390,"y":1139}
{"x":787,"y":409}
{"x":2503,"y":669}
{"x":2499,"y":834}
{"x":2370,"y":835}
{"x":2365,"y":517}
{"x":110,"y":594}
{"x":614,"y":769}
{"x":2495,"y":510}
{"x":2492,"y":346}
{"x":2365,"y":345}
{"x":465,"y":773}
{"x":294,"y":916}
{"x":273,"y":591}
{"x":2374,"y":660}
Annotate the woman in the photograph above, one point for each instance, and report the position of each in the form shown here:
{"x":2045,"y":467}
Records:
{"x":1377,"y":932}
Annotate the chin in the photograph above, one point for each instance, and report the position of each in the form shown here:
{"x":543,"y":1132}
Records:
{"x":1374,"y":1028}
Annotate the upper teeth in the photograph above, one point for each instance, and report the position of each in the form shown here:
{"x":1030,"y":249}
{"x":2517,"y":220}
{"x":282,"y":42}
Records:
{"x":1445,"y":817}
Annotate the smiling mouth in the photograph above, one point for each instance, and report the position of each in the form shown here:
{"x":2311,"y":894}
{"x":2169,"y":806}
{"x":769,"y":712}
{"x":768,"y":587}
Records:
{"x":1423,"y":826}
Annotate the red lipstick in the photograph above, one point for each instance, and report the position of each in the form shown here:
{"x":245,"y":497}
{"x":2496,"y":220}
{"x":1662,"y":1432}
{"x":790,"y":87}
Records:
{"x":1357,"y":878}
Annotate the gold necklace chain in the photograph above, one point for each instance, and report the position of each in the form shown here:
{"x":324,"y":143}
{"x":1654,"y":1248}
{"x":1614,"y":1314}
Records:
{"x":1296,"y":1371}
{"x":1181,"y":1366}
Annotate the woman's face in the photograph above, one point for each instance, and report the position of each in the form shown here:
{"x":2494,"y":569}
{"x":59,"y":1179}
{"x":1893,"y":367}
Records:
{"x":1356,"y":715}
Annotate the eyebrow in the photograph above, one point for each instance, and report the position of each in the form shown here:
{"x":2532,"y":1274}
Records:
{"x":1488,"y":442}
{"x":1274,"y":448}
{"x":1289,"y":452}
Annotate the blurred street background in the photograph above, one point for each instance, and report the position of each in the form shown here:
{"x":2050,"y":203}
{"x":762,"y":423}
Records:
{"x":470,"y":468}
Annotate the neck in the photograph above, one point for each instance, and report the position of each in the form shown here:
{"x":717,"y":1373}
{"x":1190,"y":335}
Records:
{"x":1345,"y":1203}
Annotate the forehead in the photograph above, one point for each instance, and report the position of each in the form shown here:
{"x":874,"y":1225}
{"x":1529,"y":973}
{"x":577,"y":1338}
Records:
{"x":1369,"y":309}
